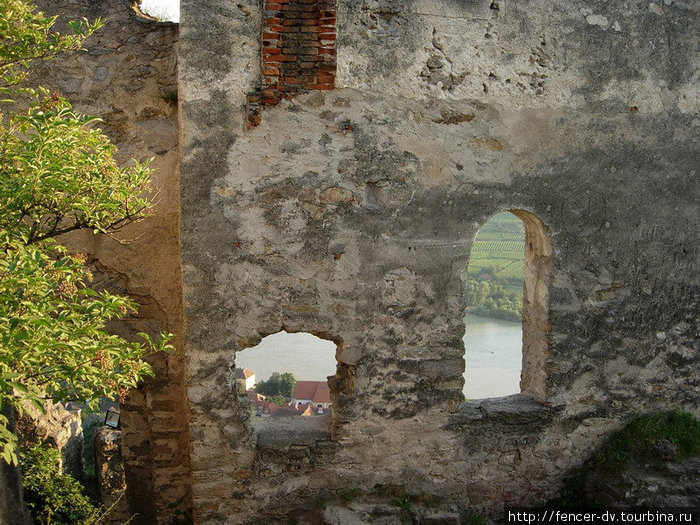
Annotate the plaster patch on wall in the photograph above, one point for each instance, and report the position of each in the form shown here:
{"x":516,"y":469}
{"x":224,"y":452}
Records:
{"x":438,"y":70}
{"x":689,"y":96}
{"x":598,"y":20}
{"x":648,"y":95}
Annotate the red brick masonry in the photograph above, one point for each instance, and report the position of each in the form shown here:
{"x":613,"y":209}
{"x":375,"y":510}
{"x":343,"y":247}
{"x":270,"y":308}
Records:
{"x":298,"y":51}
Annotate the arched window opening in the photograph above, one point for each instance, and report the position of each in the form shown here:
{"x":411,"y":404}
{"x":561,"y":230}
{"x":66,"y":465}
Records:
{"x":507,"y":307}
{"x":285,"y":378}
{"x":163,"y":10}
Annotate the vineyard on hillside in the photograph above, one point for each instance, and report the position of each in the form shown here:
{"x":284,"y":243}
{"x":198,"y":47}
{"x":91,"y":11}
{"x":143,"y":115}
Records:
{"x":494,"y":286}
{"x":498,"y":249}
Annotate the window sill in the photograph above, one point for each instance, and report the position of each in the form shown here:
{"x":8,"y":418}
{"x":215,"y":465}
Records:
{"x":286,"y":431}
{"x":515,"y":410}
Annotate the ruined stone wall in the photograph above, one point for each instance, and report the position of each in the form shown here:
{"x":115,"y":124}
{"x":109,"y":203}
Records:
{"x":127,"y":76}
{"x":350,"y":214}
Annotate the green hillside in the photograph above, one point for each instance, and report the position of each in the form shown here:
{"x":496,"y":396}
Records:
{"x":495,"y":272}
{"x":498,"y":250}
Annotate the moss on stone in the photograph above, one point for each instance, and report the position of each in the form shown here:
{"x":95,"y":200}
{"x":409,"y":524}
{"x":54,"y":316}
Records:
{"x":640,"y":439}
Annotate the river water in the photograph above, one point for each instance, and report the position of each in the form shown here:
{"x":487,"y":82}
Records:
{"x":493,"y":357}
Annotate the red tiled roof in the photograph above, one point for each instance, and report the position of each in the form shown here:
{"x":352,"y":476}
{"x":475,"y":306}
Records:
{"x":304,"y":390}
{"x":264,"y":407}
{"x":316,"y":391}
{"x":287,"y":411}
{"x":271,"y":408}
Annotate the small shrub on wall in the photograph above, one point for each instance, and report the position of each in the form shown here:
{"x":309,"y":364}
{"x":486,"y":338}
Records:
{"x":53,"y":497}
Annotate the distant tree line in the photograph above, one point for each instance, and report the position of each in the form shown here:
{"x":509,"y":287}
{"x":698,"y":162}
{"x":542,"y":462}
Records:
{"x":493,"y":299}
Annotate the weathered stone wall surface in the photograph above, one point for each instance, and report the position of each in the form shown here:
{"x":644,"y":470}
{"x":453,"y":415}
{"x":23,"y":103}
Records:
{"x":350,"y":214}
{"x":59,"y":427}
{"x":109,"y":468}
{"x":127,"y":76}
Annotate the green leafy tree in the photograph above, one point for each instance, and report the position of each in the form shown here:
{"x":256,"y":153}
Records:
{"x":279,"y":385}
{"x":287,"y":382}
{"x":277,"y":400}
{"x":492,"y":299}
{"x":57,"y":174}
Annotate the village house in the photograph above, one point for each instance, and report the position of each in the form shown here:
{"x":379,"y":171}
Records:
{"x":315,"y":392}
{"x":264,"y":408}
{"x":245,"y":377}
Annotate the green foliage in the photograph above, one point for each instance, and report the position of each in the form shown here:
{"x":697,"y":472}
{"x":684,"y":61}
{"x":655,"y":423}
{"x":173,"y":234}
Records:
{"x":348,"y":495}
{"x":320,"y":503}
{"x":491,"y":299}
{"x":57,"y":174}
{"x":8,"y":441}
{"x":53,"y":497}
{"x":405,"y":511}
{"x":25,"y":35}
{"x":277,"y":400}
{"x":55,"y":345}
{"x":279,"y":385}
{"x":495,"y":273}
{"x":476,"y":518}
{"x":634,"y":442}
{"x":637,"y":439}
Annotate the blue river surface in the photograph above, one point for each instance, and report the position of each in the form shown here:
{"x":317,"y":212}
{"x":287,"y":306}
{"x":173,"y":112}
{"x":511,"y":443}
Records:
{"x":493,"y":357}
